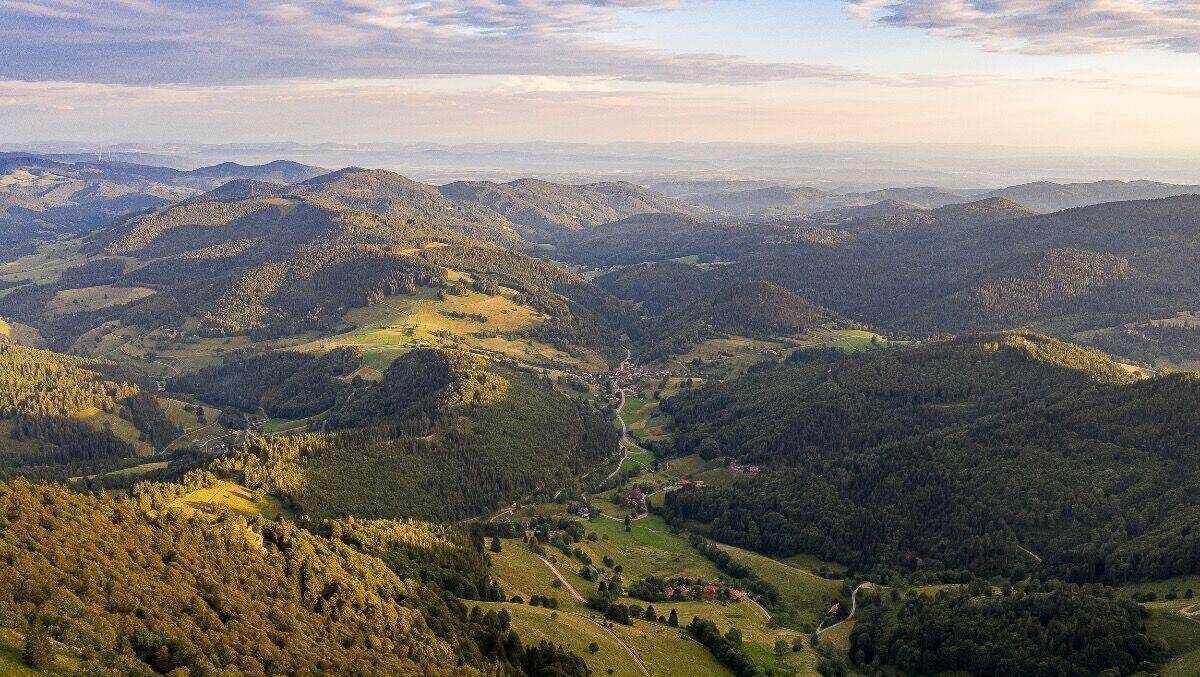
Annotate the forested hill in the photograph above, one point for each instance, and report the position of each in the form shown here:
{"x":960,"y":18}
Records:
{"x":443,"y":435}
{"x":60,"y":412}
{"x":274,"y":265}
{"x":548,"y":212}
{"x":985,"y":265}
{"x":966,"y":454}
{"x":756,"y":309}
{"x":123,"y":587}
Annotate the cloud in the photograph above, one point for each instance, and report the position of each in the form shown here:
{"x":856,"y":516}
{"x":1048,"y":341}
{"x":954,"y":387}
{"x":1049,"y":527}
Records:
{"x":1048,"y":26}
{"x":232,"y":41}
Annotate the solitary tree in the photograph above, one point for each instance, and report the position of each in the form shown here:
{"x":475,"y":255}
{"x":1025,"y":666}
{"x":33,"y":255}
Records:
{"x":495,"y":544}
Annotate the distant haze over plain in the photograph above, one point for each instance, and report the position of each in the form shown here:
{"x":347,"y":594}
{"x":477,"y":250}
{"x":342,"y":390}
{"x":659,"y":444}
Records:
{"x":834,"y":166}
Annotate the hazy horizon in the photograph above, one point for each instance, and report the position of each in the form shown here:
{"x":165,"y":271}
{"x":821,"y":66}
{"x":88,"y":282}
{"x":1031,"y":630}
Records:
{"x":831,"y":166}
{"x":1111,"y":78}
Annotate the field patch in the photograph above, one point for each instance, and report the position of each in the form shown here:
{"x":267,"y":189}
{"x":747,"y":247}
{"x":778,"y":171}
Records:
{"x":227,"y":495}
{"x":72,"y":301}
{"x":46,"y":264}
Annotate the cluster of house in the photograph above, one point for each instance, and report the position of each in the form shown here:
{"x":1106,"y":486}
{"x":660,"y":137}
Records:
{"x":708,"y":592}
{"x":634,"y":499}
{"x":689,"y":483}
{"x":744,"y":469}
{"x":221,"y":445}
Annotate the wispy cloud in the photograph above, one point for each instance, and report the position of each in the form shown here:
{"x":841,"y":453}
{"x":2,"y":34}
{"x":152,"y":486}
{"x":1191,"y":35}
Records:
{"x":1048,"y":26}
{"x":231,"y":41}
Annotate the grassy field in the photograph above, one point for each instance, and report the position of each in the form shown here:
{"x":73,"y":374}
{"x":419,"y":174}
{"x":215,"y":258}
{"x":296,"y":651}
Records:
{"x":669,"y":652}
{"x":649,"y":549}
{"x":1162,"y":588}
{"x":808,"y":593}
{"x":521,"y":573}
{"x":173,"y":408}
{"x":665,"y":651}
{"x":140,"y":469}
{"x":1181,"y":634}
{"x":120,"y":427}
{"x":229,"y":496}
{"x":46,"y":264}
{"x":71,"y":301}
{"x":729,"y":357}
{"x":472,"y":320}
{"x":574,"y":631}
{"x":22,"y":334}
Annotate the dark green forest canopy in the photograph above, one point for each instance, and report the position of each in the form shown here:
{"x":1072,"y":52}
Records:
{"x":1034,"y":629}
{"x":44,"y":398}
{"x":983,"y":453}
{"x":443,"y":436}
{"x":754,"y":308}
{"x":283,"y":384}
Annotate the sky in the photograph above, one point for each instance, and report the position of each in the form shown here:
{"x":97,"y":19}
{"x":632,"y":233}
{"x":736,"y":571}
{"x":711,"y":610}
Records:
{"x":1107,"y":76}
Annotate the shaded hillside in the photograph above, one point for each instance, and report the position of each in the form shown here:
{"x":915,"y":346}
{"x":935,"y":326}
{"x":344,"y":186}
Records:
{"x":758,"y":200}
{"x":545,"y":212}
{"x":957,"y":455}
{"x":282,"y":384}
{"x":661,"y":287}
{"x":755,"y":309}
{"x":980,"y":265}
{"x":1056,"y":282}
{"x":38,"y":195}
{"x":659,"y":237}
{"x":127,"y":588}
{"x":1034,"y":628}
{"x":441,"y":436}
{"x":393,"y":195}
{"x":1045,"y":196}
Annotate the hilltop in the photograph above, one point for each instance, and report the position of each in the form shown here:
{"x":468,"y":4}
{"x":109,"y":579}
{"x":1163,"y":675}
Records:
{"x":442,"y":436}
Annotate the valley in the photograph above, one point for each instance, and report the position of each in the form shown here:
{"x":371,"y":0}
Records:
{"x":746,"y":446}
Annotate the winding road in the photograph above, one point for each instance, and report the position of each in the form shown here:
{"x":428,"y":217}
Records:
{"x":578,"y":597}
{"x":626,"y":442}
{"x":853,"y":607}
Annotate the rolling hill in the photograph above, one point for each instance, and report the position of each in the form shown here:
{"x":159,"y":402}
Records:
{"x":442,"y":435}
{"x":42,"y":196}
{"x":546,"y":212}
{"x":754,"y":309}
{"x":988,"y":264}
{"x":764,"y":200}
{"x":61,"y":413}
{"x":245,"y":260}
{"x":918,"y":461}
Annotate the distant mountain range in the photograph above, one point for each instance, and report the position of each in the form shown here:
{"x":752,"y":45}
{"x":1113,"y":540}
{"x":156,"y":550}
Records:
{"x":752,"y":199}
{"x":40,"y":195}
{"x":986,"y":264}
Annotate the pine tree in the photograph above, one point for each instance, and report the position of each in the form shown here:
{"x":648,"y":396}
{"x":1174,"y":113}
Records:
{"x":495,"y":544}
{"x":673,"y":619}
